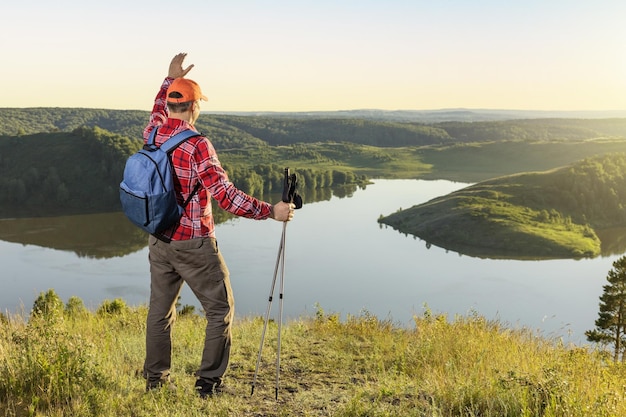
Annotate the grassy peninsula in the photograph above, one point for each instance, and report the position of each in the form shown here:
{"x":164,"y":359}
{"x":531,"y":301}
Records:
{"x":550,"y":214}
{"x":63,"y":360}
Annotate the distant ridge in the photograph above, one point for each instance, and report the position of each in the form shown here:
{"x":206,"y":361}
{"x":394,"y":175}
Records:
{"x":440,"y":115}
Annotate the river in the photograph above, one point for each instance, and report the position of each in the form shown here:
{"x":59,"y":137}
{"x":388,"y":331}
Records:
{"x":338,"y":258}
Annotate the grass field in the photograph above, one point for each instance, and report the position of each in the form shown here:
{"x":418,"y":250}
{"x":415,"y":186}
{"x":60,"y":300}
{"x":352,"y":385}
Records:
{"x":68,"y":361}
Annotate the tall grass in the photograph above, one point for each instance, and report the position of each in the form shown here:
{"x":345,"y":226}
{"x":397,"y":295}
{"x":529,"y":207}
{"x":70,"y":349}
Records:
{"x":63,"y":360}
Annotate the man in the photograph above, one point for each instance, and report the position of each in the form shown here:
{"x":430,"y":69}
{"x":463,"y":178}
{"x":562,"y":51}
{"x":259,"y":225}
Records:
{"x":188,"y":251}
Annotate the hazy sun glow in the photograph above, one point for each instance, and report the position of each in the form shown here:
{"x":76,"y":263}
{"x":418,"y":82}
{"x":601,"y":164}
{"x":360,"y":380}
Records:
{"x":319,"y":55}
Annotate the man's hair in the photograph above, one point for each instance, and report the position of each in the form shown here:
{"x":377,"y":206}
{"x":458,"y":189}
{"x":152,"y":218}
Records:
{"x":178,"y":107}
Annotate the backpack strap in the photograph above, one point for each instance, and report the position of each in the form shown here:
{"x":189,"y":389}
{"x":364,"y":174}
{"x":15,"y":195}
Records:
{"x":170,"y":144}
{"x":195,"y":190}
{"x":152,"y":137}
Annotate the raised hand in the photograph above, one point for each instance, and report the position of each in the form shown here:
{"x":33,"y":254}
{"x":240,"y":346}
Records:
{"x":176,"y":69}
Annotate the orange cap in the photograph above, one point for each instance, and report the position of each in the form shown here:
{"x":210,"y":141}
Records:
{"x":188,"y":89}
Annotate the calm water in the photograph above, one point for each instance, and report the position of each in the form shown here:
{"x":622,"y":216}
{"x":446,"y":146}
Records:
{"x":337,"y":257}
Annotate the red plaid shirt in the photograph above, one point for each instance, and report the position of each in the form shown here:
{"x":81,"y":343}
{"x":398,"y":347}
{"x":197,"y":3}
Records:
{"x":195,"y":161}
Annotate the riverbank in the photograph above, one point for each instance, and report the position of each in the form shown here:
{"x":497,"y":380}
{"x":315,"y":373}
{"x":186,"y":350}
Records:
{"x":67,"y":360}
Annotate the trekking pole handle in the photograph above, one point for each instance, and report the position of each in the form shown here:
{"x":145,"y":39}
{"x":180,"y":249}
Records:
{"x":290,"y":195}
{"x":286,"y":187}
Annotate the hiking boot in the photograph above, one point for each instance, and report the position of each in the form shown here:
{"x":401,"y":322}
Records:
{"x":206,"y":388}
{"x":153,"y":384}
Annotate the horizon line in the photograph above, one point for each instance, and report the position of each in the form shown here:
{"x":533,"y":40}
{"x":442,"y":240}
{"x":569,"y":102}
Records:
{"x":443,"y":109}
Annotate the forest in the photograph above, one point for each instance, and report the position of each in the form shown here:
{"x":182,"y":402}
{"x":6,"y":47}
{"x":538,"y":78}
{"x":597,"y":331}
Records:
{"x":69,"y":160}
{"x":79,"y":172}
{"x":229,"y":131}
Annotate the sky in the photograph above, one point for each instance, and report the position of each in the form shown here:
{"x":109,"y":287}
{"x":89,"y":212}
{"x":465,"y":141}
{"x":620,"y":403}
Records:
{"x":320,"y":55}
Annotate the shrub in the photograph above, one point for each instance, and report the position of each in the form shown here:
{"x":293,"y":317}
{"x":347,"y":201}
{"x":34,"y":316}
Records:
{"x":48,"y":305}
{"x":115,"y":307}
{"x":75,"y":308}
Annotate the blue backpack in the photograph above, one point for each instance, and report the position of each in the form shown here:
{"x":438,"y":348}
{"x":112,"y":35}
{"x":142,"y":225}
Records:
{"x":147,"y":189}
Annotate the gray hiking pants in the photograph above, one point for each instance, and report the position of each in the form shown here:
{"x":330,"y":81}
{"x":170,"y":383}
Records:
{"x":199,"y":263}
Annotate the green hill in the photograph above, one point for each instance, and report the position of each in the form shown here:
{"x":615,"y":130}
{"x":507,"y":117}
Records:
{"x":229,"y":131}
{"x":226,"y":131}
{"x":48,"y":174}
{"x":551,"y":214}
{"x":63,"y":161}
{"x":78,"y":172}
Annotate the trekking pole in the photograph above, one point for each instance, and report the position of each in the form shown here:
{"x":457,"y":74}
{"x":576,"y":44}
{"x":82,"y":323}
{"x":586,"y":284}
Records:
{"x":289,"y":196}
{"x":269,"y":305}
{"x":280,"y":308}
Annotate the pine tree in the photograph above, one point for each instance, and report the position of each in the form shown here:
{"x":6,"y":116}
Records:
{"x":611,"y":322}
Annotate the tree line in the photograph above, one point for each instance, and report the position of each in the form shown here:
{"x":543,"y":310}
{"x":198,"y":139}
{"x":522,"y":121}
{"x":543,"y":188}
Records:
{"x":230,"y":131}
{"x":79,"y":172}
{"x":592,"y":191}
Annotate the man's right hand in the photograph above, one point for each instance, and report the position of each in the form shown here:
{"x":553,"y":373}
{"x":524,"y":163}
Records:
{"x":176,"y":66}
{"x":283,"y":212}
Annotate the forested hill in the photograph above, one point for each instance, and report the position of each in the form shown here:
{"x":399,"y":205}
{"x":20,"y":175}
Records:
{"x":79,"y":172}
{"x":49,"y":174}
{"x":549,"y":214}
{"x":67,"y":161}
{"x":232,"y":131}
{"x":227,"y":131}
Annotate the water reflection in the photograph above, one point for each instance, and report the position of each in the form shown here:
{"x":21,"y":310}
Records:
{"x":108,"y":235}
{"x":613,"y":242}
{"x":105,"y":235}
